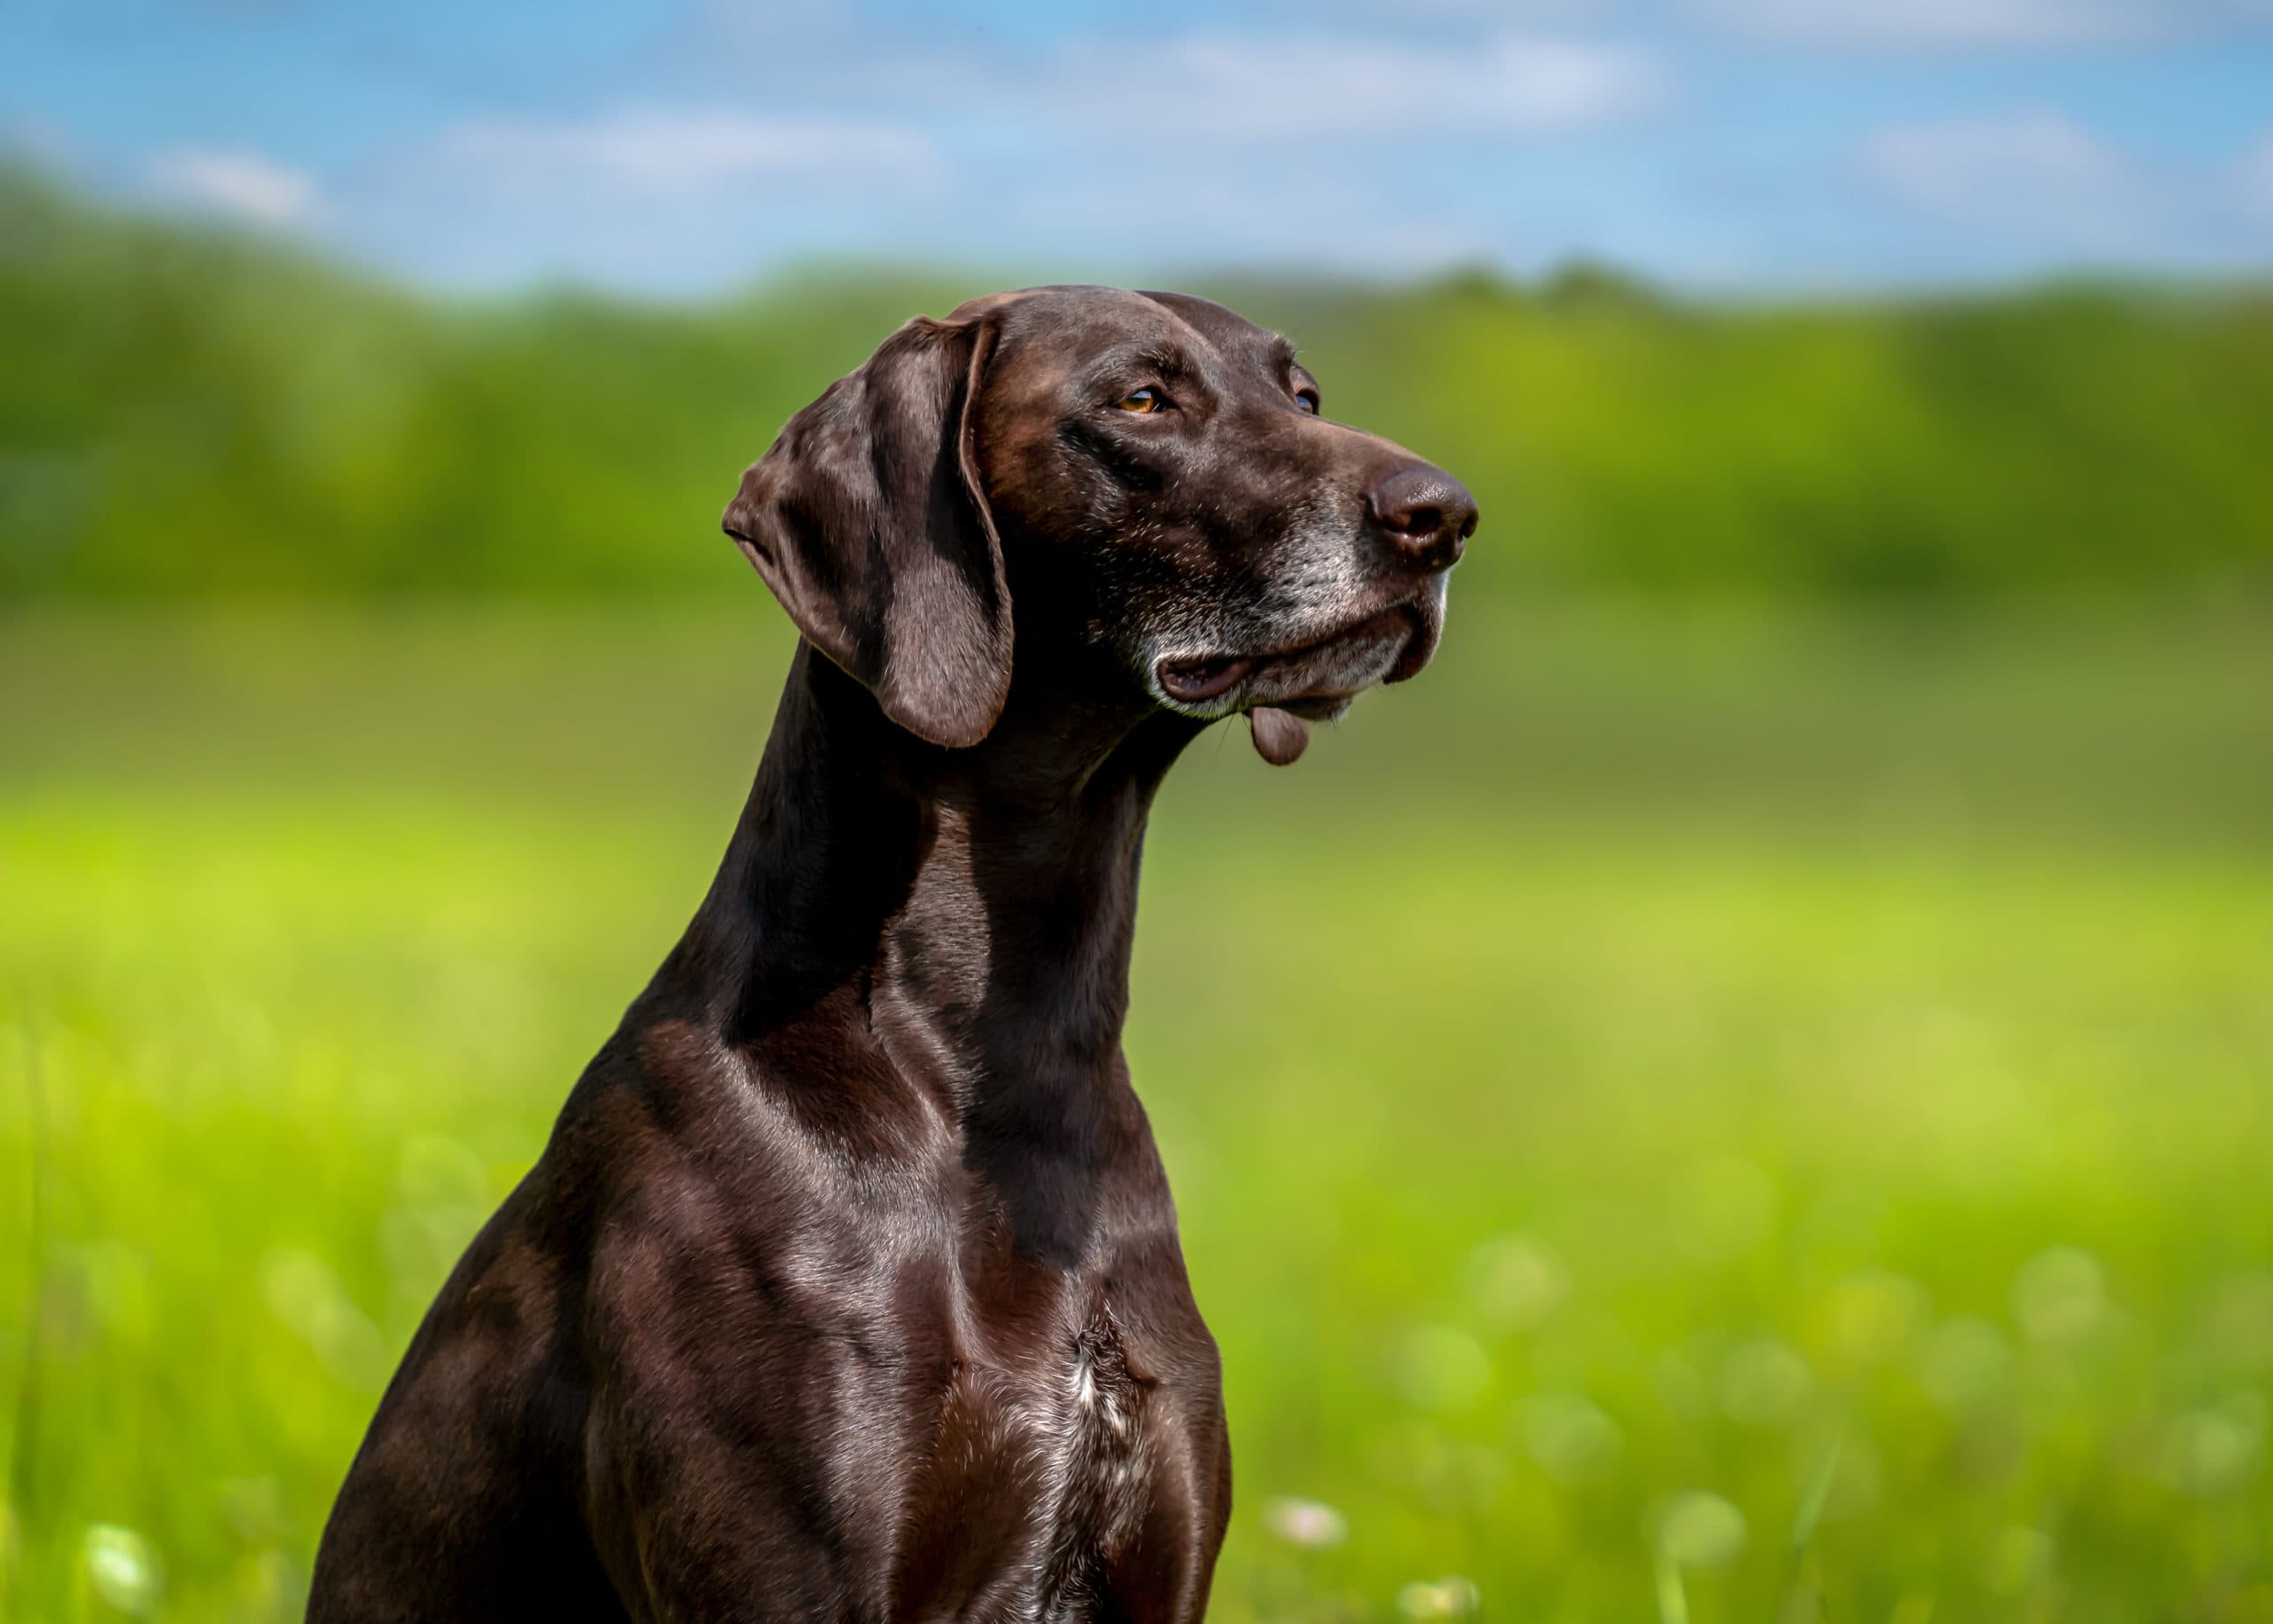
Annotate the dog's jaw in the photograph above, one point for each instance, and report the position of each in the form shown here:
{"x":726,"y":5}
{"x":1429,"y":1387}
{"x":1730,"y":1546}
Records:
{"x":1286,"y":685}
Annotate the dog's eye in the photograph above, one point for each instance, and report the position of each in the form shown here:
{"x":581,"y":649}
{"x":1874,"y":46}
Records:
{"x":1307,"y":399}
{"x":1143,"y":401}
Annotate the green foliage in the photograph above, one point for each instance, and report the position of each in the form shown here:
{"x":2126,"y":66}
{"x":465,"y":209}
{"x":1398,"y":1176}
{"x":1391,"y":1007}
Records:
{"x":1694,"y":1114}
{"x":188,"y":412}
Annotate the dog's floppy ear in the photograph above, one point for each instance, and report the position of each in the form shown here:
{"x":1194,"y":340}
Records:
{"x":867,"y":520}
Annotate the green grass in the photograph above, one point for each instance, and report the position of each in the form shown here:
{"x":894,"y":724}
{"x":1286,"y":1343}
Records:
{"x":1658,"y":1066}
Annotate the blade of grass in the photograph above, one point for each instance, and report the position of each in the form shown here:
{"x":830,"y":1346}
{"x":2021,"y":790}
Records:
{"x":1673,"y":1599}
{"x":1800,"y":1601}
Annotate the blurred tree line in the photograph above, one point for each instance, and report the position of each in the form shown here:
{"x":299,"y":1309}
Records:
{"x":187,"y":410}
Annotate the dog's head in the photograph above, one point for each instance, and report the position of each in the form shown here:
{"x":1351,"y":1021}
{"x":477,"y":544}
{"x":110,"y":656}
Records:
{"x":1153,"y":473}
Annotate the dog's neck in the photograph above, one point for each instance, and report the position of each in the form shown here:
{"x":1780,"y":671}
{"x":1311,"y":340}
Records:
{"x":968,"y":914}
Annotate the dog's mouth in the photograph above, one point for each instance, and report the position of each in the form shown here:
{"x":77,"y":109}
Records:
{"x":1388,"y":645}
{"x":1283,"y":689}
{"x":1195,"y":682}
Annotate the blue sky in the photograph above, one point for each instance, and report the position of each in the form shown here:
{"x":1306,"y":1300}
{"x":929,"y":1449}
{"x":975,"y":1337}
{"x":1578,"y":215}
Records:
{"x":684,"y":146}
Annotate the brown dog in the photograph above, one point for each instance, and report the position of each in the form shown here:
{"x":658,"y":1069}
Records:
{"x":849,"y":1286}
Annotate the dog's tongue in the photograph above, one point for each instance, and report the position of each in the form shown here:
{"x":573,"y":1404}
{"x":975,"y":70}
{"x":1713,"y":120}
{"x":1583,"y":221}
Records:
{"x":1281,"y":736}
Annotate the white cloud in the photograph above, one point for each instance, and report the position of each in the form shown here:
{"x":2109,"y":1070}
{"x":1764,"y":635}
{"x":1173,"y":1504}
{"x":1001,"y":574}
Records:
{"x":1116,"y":151}
{"x":240,"y":182}
{"x":681,"y":153}
{"x":1309,"y":88}
{"x":684,"y":198}
{"x":2037,"y":174}
{"x":1185,"y":210}
{"x":1977,"y":24}
{"x":2038,"y":188}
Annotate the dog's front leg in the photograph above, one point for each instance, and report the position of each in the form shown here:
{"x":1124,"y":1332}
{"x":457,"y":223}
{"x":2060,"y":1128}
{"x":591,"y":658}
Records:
{"x":1161,"y":1573}
{"x":700,"y":1522}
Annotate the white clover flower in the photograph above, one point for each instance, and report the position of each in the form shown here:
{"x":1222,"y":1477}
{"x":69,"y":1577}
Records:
{"x":1449,"y":1597}
{"x":120,"y":1566}
{"x":1311,"y":1524}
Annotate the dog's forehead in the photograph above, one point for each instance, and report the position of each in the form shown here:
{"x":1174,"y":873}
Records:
{"x":1230,"y":332}
{"x":1069,"y":324}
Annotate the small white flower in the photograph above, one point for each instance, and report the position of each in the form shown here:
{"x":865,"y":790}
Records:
{"x":1444,"y":1598}
{"x":1311,"y":1524}
{"x":120,"y":1566}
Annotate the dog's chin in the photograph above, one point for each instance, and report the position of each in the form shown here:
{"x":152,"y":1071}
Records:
{"x":1298,"y":683}
{"x":1318,"y":679}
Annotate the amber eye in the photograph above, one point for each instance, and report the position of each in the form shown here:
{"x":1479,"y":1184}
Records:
{"x":1307,"y":399}
{"x":1144,"y":401}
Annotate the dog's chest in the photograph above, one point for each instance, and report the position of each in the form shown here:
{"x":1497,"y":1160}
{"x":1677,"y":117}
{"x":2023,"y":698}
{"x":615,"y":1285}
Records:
{"x":1042,"y":1464}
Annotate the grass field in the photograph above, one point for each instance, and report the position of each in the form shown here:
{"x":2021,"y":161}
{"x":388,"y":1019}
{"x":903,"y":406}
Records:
{"x":1706,"y":1114}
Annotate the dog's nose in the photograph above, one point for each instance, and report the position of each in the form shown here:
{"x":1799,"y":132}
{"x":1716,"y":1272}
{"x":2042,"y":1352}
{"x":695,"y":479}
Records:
{"x":1426,"y":514}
